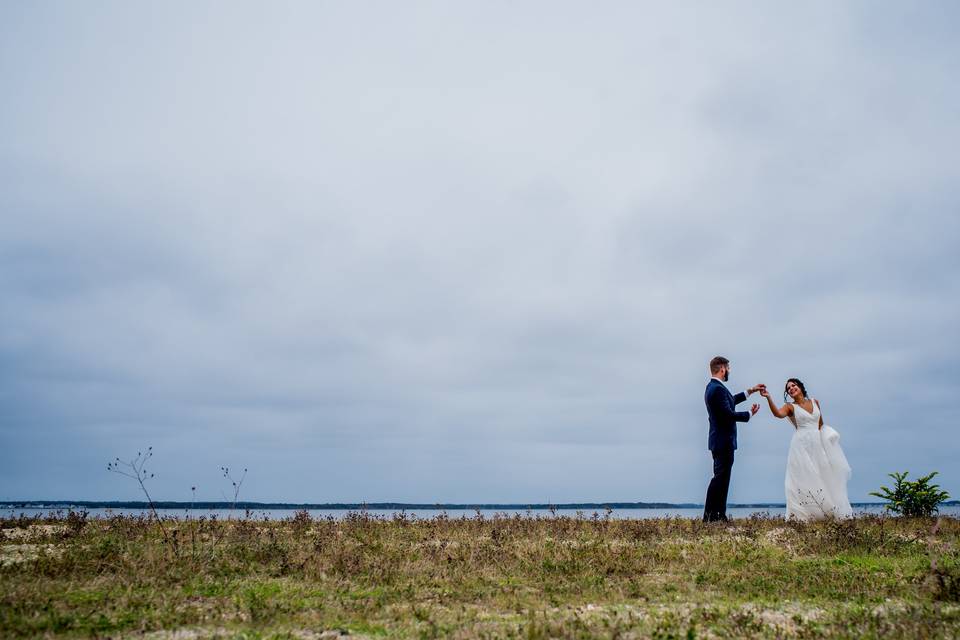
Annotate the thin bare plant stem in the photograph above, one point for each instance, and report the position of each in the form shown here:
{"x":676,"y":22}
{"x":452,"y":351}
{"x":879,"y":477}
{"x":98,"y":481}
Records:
{"x":138,"y":472}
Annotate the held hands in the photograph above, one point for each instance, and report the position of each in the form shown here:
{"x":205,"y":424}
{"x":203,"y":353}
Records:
{"x":762,"y":388}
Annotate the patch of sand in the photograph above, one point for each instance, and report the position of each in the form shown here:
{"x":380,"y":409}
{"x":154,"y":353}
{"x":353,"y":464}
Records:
{"x":11,"y":554}
{"x":199,"y":633}
{"x":33,"y":531}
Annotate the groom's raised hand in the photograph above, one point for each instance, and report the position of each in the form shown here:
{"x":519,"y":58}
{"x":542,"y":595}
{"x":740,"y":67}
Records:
{"x":757,"y":387}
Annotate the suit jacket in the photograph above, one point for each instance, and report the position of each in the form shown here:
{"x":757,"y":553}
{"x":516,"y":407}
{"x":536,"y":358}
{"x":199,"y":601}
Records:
{"x":723,"y":414}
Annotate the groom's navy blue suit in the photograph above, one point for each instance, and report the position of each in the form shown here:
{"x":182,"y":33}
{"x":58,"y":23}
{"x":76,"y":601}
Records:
{"x":723,"y":414}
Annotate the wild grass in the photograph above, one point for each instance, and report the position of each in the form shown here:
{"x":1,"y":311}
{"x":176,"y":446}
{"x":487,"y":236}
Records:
{"x":478,"y":577}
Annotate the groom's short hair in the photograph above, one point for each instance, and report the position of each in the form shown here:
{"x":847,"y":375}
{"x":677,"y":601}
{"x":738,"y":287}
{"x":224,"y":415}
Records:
{"x":718,"y":362}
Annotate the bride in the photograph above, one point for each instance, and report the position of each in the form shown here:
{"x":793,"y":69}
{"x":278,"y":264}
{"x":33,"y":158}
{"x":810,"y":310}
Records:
{"x":817,"y":470}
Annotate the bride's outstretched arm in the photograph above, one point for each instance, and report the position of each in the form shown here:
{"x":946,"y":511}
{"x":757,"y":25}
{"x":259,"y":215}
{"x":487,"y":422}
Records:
{"x":782,"y":412}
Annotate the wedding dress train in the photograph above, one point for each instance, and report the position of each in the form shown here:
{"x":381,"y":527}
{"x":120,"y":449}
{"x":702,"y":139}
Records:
{"x":817,"y":470}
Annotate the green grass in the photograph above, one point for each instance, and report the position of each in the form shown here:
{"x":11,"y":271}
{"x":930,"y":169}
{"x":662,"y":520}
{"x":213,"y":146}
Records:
{"x":501,"y":577}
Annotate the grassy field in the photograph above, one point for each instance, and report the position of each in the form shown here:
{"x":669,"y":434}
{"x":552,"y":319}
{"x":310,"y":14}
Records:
{"x":473,"y":577}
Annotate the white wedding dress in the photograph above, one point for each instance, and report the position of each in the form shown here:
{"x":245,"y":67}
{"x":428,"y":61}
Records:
{"x":817,"y":470}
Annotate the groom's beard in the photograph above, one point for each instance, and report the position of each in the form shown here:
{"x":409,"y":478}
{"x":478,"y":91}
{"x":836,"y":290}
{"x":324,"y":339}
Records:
{"x":726,"y":376}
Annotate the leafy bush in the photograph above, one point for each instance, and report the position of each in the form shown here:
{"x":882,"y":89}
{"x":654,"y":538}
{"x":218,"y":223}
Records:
{"x":916,"y":499}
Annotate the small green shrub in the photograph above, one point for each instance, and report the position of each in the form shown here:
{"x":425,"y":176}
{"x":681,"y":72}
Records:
{"x":915,"y":499}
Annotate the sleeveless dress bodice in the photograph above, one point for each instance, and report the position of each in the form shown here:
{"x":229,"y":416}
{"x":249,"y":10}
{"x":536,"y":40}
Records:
{"x":804,"y":420}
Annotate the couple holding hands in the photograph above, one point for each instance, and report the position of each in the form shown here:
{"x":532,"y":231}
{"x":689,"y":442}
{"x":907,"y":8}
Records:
{"x":817,"y":471}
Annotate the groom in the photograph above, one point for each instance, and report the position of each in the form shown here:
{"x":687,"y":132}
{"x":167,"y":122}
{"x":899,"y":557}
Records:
{"x":721,"y":409}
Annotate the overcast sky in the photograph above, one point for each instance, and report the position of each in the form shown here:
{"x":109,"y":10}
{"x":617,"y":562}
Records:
{"x":472,"y":251}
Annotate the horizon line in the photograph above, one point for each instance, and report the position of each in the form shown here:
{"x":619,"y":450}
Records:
{"x":360,"y":506}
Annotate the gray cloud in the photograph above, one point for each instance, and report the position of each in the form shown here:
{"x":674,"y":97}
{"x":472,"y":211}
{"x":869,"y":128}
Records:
{"x":439,"y":253}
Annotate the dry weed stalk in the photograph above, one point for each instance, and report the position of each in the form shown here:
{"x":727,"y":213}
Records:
{"x":136,"y":469}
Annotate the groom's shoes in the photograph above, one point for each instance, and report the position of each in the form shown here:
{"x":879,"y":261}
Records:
{"x":716,"y":517}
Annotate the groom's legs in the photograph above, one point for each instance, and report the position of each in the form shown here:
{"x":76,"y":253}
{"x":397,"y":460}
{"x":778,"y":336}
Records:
{"x":725,"y":485}
{"x":715,"y":506}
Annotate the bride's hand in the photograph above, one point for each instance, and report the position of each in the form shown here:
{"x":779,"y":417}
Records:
{"x":764,"y":392}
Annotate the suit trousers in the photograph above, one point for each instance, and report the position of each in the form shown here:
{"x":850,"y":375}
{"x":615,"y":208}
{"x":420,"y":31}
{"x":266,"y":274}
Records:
{"x":715,"y":506}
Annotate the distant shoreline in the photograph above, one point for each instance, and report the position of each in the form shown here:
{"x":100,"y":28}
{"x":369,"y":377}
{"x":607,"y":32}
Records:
{"x":383,"y":506}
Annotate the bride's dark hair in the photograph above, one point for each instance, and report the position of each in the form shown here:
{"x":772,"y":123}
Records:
{"x":796,"y":381}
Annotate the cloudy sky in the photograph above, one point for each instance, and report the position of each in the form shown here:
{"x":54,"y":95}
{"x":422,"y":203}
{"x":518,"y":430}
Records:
{"x":471,"y":251}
